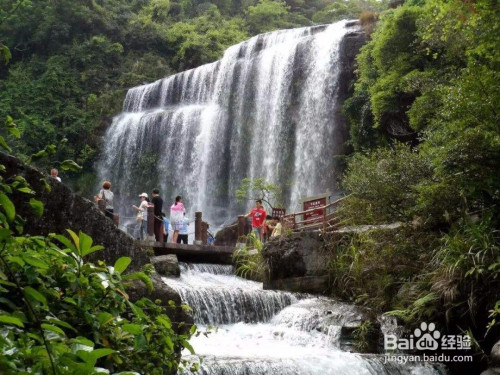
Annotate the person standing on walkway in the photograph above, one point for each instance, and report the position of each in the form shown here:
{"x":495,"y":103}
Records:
{"x":177,"y":211}
{"x":142,"y":215}
{"x":107,"y":195}
{"x":258,"y":215}
{"x":166,"y":224}
{"x":183,"y":231}
{"x":158,"y":219}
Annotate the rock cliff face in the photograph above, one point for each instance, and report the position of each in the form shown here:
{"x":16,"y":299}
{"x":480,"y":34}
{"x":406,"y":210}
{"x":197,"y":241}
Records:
{"x":349,"y":48}
{"x":65,"y":210}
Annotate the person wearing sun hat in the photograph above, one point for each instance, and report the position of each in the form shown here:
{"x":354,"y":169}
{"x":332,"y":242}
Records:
{"x":142,"y":215}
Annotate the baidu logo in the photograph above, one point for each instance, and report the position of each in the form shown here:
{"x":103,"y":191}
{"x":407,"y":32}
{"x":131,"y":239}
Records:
{"x":427,"y":337}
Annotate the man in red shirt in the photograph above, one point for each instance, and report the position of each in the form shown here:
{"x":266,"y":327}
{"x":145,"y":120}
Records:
{"x":258,"y":215}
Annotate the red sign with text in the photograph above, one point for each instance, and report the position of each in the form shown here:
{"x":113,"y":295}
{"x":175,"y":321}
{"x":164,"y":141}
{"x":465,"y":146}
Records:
{"x":279,"y":212}
{"x":316,"y":215}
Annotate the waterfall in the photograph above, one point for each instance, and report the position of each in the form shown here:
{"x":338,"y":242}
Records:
{"x":266,"y":109}
{"x":260,"y":332}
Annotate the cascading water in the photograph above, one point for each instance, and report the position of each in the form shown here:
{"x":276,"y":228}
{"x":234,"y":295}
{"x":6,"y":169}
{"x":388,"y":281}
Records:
{"x":266,"y":109}
{"x":270,"y":332}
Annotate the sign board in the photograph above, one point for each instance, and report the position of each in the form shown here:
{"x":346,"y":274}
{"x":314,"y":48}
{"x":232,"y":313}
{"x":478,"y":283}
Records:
{"x":279,"y":212}
{"x":310,"y":203}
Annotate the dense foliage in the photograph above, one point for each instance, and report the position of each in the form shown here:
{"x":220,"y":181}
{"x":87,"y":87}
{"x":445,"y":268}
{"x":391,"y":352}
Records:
{"x":60,"y":314}
{"x":72,"y":61}
{"x":424,"y":123}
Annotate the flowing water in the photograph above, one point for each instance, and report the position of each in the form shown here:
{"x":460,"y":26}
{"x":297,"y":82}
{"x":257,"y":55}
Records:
{"x":266,"y":109}
{"x":262,"y":332}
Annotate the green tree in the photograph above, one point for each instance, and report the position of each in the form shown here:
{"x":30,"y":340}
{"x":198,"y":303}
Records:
{"x":267,"y":15}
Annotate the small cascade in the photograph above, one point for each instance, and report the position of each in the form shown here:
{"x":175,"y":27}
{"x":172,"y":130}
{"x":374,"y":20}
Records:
{"x":260,"y":332}
{"x":218,"y":297}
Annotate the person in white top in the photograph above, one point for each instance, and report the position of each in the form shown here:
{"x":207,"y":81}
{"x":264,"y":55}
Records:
{"x":142,"y":215}
{"x":54,"y":174}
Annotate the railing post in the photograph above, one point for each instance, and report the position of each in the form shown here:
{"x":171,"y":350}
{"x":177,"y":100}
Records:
{"x":324,"y":219}
{"x":204,"y":234}
{"x":197,"y":228}
{"x":151,"y":224}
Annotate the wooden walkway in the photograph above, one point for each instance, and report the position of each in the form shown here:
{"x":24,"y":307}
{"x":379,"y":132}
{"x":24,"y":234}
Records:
{"x":192,"y":253}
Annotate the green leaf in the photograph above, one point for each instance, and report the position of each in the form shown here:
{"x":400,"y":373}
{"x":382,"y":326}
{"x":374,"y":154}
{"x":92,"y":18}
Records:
{"x":7,"y":319}
{"x":69,"y":300}
{"x":38,"y":155}
{"x":7,"y":283}
{"x":93,"y":249}
{"x":193,"y":328}
{"x":121,"y":264}
{"x":140,"y":276}
{"x":70,"y":165}
{"x":46,"y":185}
{"x":4,"y":144}
{"x":66,"y":242}
{"x":26,"y":190}
{"x":61,"y":323}
{"x":165,"y":321}
{"x":91,"y":357}
{"x":35,"y":262}
{"x":169,"y":342}
{"x":12,"y":127}
{"x":34,"y":294}
{"x":135,"y":329}
{"x":104,"y":318}
{"x":188,"y":346}
{"x":52,"y":328}
{"x":5,"y":54}
{"x":16,"y":259}
{"x":99,"y":353}
{"x":8,"y":207}
{"x":85,"y":243}
{"x":37,"y":207}
{"x":76,"y":241}
{"x":137,"y":310}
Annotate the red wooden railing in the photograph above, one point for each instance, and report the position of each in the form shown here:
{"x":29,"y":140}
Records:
{"x":328,"y":222}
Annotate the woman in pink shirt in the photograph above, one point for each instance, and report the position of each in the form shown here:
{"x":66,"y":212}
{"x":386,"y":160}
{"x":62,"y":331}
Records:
{"x":177,"y":211}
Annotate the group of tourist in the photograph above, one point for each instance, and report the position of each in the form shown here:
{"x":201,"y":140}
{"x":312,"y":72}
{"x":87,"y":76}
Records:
{"x":161,"y":223}
{"x":264,"y":226}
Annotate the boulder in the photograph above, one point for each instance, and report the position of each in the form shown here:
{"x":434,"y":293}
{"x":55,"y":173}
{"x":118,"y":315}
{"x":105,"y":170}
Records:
{"x":166,"y":265}
{"x":297,"y":262}
{"x":296,"y":255}
{"x":228,"y":236}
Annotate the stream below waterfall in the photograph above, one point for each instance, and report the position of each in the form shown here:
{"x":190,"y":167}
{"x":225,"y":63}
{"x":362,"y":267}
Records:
{"x":272,"y":332}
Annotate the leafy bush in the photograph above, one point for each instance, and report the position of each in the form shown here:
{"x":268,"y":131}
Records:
{"x":249,"y":261}
{"x":383,"y":184}
{"x":60,"y":314}
{"x":372,"y":267}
